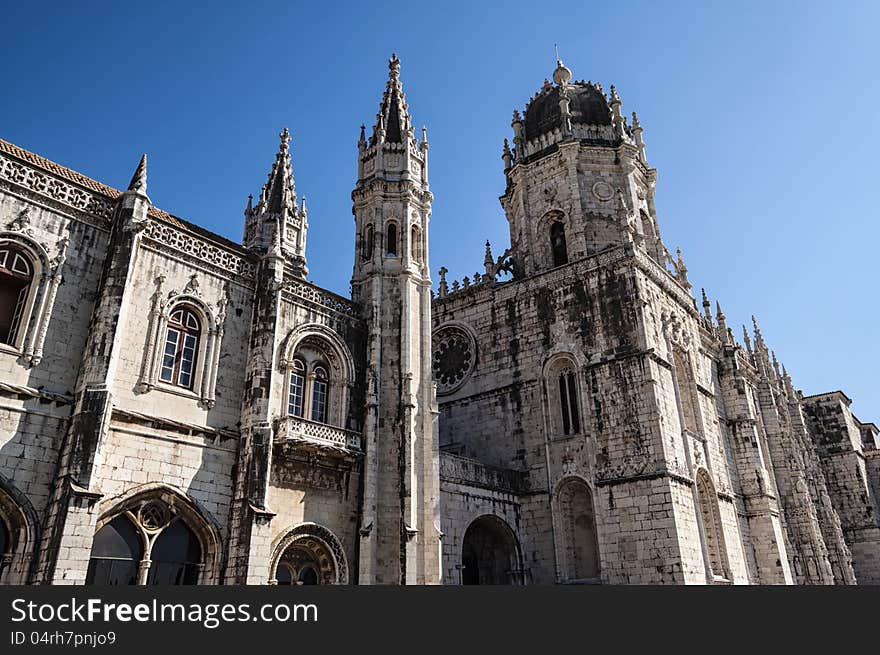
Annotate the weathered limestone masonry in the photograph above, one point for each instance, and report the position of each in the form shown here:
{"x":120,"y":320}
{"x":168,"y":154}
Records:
{"x":400,"y":532}
{"x":176,"y":408}
{"x":648,"y":446}
{"x":851,"y":477}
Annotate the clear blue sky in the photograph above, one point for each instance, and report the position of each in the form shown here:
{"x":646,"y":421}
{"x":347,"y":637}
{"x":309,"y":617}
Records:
{"x":761,"y":119}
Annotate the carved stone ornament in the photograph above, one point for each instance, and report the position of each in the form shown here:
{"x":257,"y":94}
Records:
{"x":453,"y":358}
{"x":603,"y":191}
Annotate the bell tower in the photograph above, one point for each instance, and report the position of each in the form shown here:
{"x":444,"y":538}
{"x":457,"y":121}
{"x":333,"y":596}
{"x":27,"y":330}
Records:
{"x":400,"y":521}
{"x":578,"y":180}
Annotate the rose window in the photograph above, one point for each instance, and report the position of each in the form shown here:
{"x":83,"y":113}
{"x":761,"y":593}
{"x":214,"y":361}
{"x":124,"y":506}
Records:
{"x":453,"y":359}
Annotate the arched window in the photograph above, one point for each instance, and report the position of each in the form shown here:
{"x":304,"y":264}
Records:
{"x":297,"y":388}
{"x":175,"y":557}
{"x":564,"y":398}
{"x":148,"y":544}
{"x":391,"y":239}
{"x":714,"y":550}
{"x":367,"y":244}
{"x":568,"y":402}
{"x":299,"y":566}
{"x":557,"y":244}
{"x":181,"y":348}
{"x":416,"y":244}
{"x":577,"y":522}
{"x":16,"y":276}
{"x":116,"y":554}
{"x":319,"y":395}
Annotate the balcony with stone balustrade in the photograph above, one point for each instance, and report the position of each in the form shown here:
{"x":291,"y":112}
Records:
{"x":293,"y":432}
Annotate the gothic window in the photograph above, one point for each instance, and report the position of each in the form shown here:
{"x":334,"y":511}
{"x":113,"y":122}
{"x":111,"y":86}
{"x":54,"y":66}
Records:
{"x":367,"y":244}
{"x":309,"y":393}
{"x":416,"y":241}
{"x":558,"y":248}
{"x":148,"y":544}
{"x":713,"y":539}
{"x":319,"y":395}
{"x":175,"y":557}
{"x":568,"y":404}
{"x":297,"y":388}
{"x":181,"y":348}
{"x":16,"y":276}
{"x":564,"y":398}
{"x":577,"y":522}
{"x":116,"y":554}
{"x":391,"y":239}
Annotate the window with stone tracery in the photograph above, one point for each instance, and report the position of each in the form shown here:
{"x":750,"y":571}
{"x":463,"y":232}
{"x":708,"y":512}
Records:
{"x":146,"y":545}
{"x":16,"y":283}
{"x":181,"y":348}
{"x":308,"y":388}
{"x":563,"y":394}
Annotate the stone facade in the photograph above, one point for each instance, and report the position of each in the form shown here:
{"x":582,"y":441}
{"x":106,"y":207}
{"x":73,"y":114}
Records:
{"x":176,"y":408}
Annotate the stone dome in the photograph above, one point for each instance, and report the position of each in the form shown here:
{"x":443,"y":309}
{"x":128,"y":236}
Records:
{"x":588,"y":106}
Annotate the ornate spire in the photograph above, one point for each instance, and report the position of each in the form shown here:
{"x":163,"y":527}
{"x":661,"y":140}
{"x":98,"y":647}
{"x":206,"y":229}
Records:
{"x":707,"y":306}
{"x":489,"y":260}
{"x":746,"y":340}
{"x":720,"y":317}
{"x":506,"y":155}
{"x":280,"y":191}
{"x":393,"y":122}
{"x":138,"y":182}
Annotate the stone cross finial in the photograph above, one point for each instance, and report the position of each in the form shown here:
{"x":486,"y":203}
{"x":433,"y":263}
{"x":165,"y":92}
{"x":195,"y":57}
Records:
{"x":444,"y":287}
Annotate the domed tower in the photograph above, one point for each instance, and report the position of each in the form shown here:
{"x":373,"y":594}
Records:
{"x":578,"y":180}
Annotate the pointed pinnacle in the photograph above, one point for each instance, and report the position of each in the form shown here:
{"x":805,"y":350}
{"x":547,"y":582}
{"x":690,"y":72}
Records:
{"x":718,"y":313}
{"x":139,"y":179}
{"x":394,"y":66}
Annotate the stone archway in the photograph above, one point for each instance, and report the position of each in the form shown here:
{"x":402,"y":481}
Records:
{"x":490,"y":553}
{"x":579,"y":547}
{"x":309,"y":554}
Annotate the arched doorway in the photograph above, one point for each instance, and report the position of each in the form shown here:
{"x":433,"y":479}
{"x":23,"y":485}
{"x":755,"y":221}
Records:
{"x":577,"y":523}
{"x":310,"y":554}
{"x":490,"y":553}
{"x":17,"y":534}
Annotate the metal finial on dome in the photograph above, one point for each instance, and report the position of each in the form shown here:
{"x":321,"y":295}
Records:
{"x":561,"y":76}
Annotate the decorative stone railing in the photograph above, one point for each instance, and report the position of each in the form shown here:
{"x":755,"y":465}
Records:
{"x":293,"y":429}
{"x":470,"y":472}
